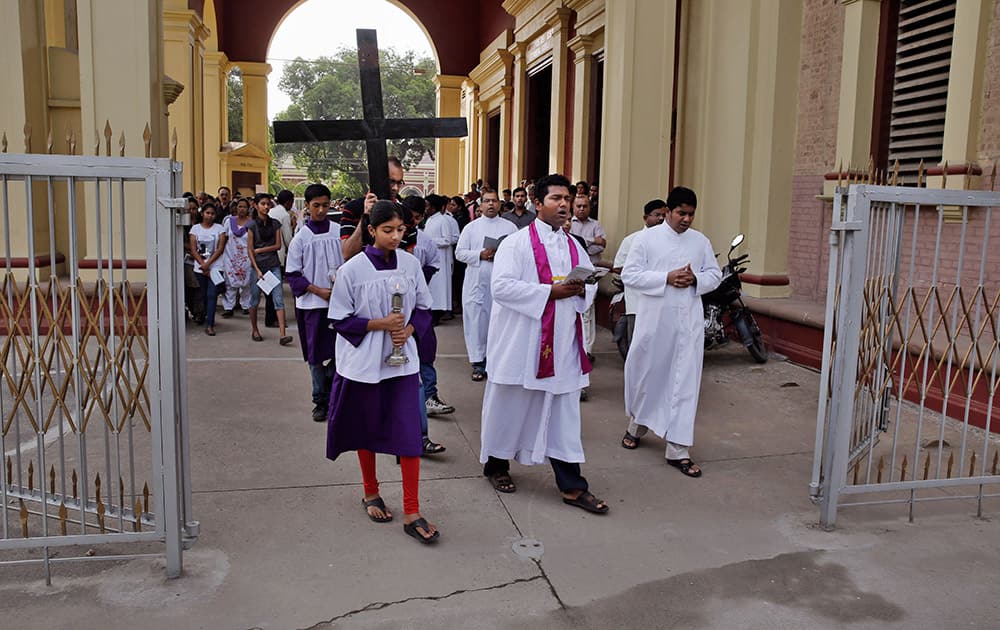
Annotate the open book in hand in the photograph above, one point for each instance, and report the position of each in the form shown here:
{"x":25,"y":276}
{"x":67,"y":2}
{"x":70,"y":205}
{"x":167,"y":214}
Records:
{"x":492,"y":243}
{"x":589,"y":276}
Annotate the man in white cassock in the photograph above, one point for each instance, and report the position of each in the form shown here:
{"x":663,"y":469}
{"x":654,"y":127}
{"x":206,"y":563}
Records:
{"x":531,"y":406}
{"x":668,"y":269}
{"x":442,"y":229}
{"x":477,"y":248}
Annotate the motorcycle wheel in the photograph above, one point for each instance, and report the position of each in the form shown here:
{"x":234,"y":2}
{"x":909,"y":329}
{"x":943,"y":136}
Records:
{"x":757,"y":349}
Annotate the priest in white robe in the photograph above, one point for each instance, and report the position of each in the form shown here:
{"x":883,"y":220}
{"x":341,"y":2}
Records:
{"x":668,"y":269}
{"x":442,"y":229}
{"x":538,"y":365}
{"x":477,"y":248}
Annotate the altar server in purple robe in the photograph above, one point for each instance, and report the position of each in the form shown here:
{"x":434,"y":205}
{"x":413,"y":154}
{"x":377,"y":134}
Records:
{"x":538,"y":365}
{"x":314,"y":255}
{"x":374,"y":404}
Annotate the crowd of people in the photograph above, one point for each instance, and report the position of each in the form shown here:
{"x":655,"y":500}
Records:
{"x":373,"y":278}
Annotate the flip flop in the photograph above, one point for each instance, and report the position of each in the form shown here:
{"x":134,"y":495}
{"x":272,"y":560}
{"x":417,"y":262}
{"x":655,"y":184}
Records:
{"x":256,"y":337}
{"x":684,"y":465}
{"x":286,"y":340}
{"x":377,"y":502}
{"x":478,"y":374}
{"x":411,"y":530}
{"x":588,"y":502}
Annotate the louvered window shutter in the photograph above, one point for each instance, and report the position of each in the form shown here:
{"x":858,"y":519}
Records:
{"x":920,"y":84}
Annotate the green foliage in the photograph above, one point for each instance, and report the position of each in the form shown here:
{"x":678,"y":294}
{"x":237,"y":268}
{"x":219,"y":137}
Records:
{"x":234,"y":83}
{"x":329,"y":89}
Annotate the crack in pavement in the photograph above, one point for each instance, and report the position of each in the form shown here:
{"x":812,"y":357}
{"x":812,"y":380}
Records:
{"x":429,"y":598}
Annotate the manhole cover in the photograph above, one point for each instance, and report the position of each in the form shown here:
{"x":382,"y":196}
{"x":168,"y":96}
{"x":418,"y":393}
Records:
{"x":528,"y":548}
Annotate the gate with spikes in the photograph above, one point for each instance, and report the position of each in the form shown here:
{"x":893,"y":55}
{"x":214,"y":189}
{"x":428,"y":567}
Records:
{"x":911,"y":361}
{"x":93,"y":418}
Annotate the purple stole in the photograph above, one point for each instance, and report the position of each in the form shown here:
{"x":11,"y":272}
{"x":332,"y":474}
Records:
{"x":546,"y":360}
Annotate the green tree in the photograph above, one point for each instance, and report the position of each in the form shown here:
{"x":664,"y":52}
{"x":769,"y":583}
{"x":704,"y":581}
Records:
{"x":234,"y":83}
{"x":329,"y":88}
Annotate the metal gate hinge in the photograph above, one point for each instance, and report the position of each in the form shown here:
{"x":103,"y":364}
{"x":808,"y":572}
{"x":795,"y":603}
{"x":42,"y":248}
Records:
{"x":847,"y":226}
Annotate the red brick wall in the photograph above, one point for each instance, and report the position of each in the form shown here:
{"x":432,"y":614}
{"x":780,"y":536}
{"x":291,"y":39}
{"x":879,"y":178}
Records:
{"x":819,"y":94}
{"x":989,"y":130}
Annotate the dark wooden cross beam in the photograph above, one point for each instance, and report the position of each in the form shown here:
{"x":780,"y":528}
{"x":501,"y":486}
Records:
{"x":375,"y":128}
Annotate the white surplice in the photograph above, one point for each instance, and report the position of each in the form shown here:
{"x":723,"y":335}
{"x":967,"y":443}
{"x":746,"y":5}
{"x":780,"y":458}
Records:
{"x":525,"y":417}
{"x":663,"y":372}
{"x":317,"y":257}
{"x":363,"y":291}
{"x":477,"y":299}
{"x":442,"y":230}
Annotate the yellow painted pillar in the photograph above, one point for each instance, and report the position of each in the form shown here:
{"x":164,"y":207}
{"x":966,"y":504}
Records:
{"x":121,"y":81}
{"x":771,"y":152}
{"x":479,"y":168}
{"x":182,"y":36}
{"x":23,"y":73}
{"x":506,"y":179}
{"x":216,"y":118}
{"x":519,"y":111}
{"x":582,"y":47}
{"x":255,"y":121}
{"x":447,"y":151}
{"x":965,"y":89}
{"x":635,"y":139}
{"x":857,"y":84}
{"x":559,"y":23}
{"x":470,"y":92}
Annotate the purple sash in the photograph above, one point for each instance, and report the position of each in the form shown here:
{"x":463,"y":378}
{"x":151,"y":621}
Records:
{"x":546,"y":361}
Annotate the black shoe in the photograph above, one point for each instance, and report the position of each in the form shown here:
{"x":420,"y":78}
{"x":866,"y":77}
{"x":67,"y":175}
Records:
{"x":319,"y":414}
{"x":227,"y":313}
{"x":246,"y":311}
{"x":591,"y":358}
{"x":584,"y":395}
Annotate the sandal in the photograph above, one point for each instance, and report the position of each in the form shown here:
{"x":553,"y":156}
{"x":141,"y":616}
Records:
{"x":210,"y":331}
{"x":685,"y":465}
{"x":432,"y":448}
{"x":502,"y":483}
{"x":379,"y":504}
{"x":631,"y":438}
{"x":286,"y":340}
{"x":412,"y":530}
{"x":478,"y":374}
{"x":256,"y":337}
{"x":589,"y":502}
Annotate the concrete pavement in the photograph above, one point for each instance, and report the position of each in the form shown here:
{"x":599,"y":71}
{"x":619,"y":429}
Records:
{"x":285,"y":543}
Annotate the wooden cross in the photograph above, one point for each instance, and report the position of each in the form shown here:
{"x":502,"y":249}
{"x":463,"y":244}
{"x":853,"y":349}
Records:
{"x":374,"y":128}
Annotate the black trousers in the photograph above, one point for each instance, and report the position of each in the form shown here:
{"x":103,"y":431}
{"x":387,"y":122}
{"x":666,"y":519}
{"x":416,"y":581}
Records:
{"x":568,"y":477}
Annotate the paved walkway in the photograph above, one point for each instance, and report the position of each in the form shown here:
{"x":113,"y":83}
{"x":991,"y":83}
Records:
{"x":285,"y":543}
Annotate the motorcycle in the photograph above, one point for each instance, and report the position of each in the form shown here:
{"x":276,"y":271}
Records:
{"x":723,"y":309}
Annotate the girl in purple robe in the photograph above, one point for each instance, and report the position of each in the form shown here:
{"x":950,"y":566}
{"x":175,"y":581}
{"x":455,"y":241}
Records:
{"x":374,"y":405}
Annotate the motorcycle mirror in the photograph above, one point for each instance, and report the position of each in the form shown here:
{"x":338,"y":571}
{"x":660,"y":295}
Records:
{"x":736,"y":242}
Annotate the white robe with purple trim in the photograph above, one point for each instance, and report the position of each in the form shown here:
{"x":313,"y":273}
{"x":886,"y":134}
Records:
{"x":524,"y":417}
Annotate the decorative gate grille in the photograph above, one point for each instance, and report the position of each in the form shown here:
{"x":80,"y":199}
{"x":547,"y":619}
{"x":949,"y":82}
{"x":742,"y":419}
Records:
{"x":910,"y":357}
{"x":92,"y":399}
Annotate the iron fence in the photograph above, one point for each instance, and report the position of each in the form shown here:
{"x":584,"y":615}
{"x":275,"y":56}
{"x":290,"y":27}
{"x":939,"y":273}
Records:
{"x":93,"y":420}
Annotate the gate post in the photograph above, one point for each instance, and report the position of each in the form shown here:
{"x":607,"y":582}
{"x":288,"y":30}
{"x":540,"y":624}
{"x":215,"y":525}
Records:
{"x":165,"y":278}
{"x":854,"y":231}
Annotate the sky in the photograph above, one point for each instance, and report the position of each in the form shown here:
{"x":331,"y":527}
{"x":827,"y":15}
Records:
{"x":319,"y":28}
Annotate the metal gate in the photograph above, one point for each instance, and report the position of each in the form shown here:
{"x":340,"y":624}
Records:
{"x":92,"y":395}
{"x":910,"y":355}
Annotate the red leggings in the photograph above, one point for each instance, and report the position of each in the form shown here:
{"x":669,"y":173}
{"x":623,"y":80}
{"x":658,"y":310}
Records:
{"x":411,"y":479}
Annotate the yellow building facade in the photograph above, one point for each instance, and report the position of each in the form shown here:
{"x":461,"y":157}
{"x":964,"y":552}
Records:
{"x":750,"y":103}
